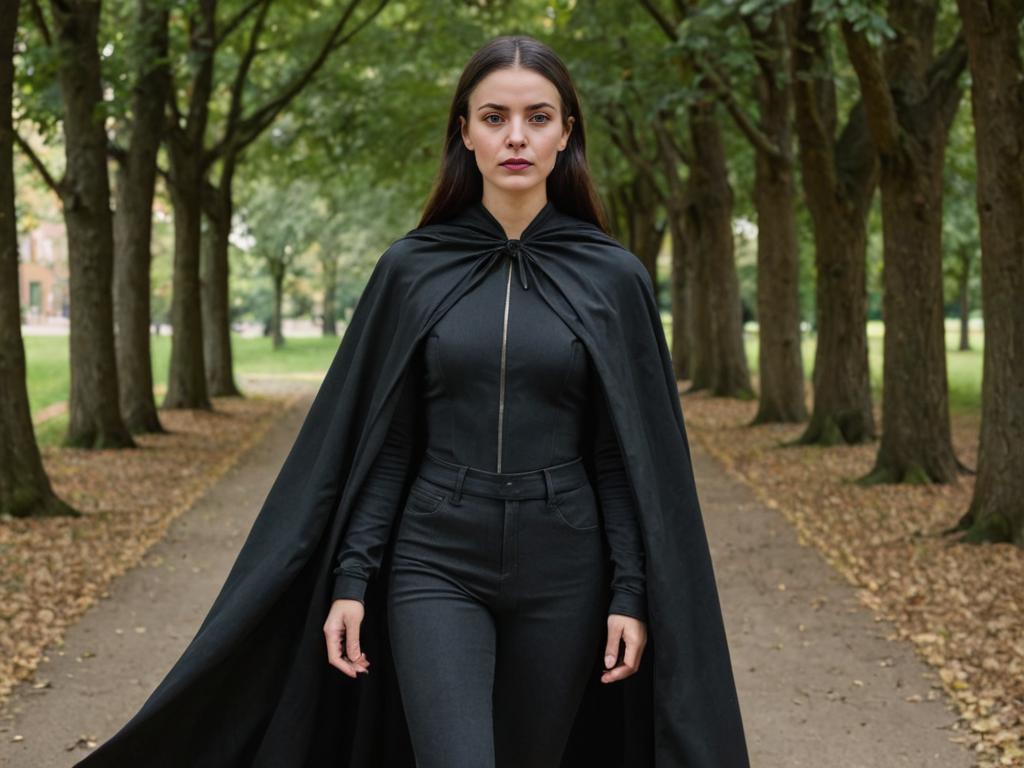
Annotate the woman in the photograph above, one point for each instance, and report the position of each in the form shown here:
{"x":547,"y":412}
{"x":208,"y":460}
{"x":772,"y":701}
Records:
{"x":500,"y":550}
{"x":505,"y":383}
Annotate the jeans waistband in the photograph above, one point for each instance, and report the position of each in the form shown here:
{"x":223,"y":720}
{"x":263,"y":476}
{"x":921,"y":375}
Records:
{"x":534,"y":484}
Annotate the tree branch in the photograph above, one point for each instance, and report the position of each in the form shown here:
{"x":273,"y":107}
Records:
{"x":232,"y":24}
{"x":661,"y":19}
{"x":244,"y":66}
{"x":880,"y":108}
{"x":40,"y":20}
{"x":248,"y":129}
{"x":943,"y":80}
{"x":56,"y":185}
{"x":744,"y":122}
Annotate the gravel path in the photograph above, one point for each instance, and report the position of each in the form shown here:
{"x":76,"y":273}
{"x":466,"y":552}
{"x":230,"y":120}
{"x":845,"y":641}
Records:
{"x":819,"y":684}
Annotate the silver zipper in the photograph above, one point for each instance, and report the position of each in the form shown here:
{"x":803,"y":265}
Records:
{"x":504,"y":350}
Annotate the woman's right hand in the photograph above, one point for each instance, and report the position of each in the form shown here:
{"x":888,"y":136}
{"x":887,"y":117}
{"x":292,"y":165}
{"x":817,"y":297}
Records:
{"x":342,"y":632}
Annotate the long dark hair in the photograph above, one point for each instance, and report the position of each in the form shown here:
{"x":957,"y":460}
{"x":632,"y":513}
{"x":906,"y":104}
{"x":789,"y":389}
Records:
{"x":459,"y":182}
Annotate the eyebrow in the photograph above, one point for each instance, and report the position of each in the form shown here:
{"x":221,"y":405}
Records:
{"x":502,"y":107}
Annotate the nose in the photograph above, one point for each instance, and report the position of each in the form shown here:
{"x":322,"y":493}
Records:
{"x":515,"y":134}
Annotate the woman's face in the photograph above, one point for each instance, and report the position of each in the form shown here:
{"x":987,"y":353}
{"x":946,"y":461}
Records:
{"x":515,"y":113}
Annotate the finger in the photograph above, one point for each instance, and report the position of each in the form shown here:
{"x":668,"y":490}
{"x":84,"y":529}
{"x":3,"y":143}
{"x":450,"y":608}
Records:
{"x":611,"y":647}
{"x":333,"y":634}
{"x":631,"y":658}
{"x":352,"y":644}
{"x":616,"y":673}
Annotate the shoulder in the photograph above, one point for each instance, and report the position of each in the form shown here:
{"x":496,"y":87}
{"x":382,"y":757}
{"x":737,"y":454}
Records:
{"x":610,"y":260}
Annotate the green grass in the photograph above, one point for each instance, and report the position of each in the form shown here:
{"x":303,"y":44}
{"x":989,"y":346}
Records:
{"x":963,"y":369}
{"x":49,"y":375}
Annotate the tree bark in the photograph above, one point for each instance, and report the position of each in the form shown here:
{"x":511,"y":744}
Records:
{"x":964,"y":289}
{"x":329,"y":263}
{"x":94,"y":414}
{"x":781,"y":378}
{"x":722,"y":365}
{"x":646,"y":232}
{"x":681,"y":278}
{"x":220,"y":375}
{"x":839,"y":176}
{"x":25,"y":489}
{"x":994,"y":47}
{"x":186,"y":378}
{"x":133,"y":224}
{"x":277,"y":272}
{"x":910,"y":103}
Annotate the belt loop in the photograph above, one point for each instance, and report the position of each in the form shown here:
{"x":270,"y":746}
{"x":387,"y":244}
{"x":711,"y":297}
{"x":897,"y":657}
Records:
{"x":550,"y":486}
{"x":457,"y":496}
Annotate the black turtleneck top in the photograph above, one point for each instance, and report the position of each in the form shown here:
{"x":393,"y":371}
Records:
{"x":506,"y":386}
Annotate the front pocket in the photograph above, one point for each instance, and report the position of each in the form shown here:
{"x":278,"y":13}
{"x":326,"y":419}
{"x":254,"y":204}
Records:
{"x":577,"y":508}
{"x":423,"y":502}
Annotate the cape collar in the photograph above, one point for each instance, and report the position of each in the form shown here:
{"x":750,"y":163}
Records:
{"x":479,"y":210}
{"x":478,"y":218}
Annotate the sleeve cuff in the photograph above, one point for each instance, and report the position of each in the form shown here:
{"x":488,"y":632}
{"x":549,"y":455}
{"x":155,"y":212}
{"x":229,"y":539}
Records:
{"x":349,"y":587}
{"x":629,"y":604}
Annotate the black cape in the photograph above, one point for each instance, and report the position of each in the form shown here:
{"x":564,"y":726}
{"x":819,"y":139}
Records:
{"x":253,"y":687}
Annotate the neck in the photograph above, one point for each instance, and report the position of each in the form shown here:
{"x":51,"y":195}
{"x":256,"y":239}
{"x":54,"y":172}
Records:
{"x":514,"y":211}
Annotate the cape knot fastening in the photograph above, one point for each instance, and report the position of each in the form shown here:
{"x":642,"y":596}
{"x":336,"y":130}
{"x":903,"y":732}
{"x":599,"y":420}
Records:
{"x":518,"y":254}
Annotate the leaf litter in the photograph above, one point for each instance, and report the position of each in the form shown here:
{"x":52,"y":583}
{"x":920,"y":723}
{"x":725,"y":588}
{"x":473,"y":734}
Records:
{"x":959,"y":605}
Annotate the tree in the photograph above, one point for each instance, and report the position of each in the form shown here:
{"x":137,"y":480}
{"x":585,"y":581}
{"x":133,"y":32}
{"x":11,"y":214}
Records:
{"x":992,"y":31}
{"x":95,"y":417}
{"x":769,"y":134}
{"x":719,"y":362}
{"x":839,"y":171}
{"x":911,"y":94}
{"x":24,"y":487}
{"x":279,"y":241}
{"x":192,"y":159}
{"x":133,"y":219}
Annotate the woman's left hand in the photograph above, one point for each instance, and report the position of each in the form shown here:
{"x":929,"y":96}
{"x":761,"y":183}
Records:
{"x":634,"y":633}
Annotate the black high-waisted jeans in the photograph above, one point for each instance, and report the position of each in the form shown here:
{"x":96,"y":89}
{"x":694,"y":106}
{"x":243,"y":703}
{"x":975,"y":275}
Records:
{"x":497,"y":612}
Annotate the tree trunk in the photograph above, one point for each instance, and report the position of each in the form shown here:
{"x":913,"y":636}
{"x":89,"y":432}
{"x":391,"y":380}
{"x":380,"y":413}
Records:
{"x":682,"y":314}
{"x":781,"y":378}
{"x":965,"y":299}
{"x":675,"y":209}
{"x":330,"y":284}
{"x":994,"y":47}
{"x":94,"y":414}
{"x":220,"y":375}
{"x":133,"y":225}
{"x":916,"y":444}
{"x":839,"y":176}
{"x":186,"y":378}
{"x":24,"y":487}
{"x":727,"y":374}
{"x":277,"y":274}
{"x":646,"y":231}
{"x":910,"y":102}
{"x":699,"y":319}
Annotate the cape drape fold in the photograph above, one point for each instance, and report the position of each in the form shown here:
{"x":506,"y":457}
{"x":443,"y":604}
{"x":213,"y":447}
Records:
{"x":253,"y":687}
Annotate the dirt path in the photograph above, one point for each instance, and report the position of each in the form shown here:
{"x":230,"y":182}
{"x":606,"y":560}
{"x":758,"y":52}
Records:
{"x":118,"y":652}
{"x":819,"y":685}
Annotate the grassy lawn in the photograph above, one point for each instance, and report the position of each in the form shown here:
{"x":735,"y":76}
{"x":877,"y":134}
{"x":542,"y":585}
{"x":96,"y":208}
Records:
{"x":963,"y":369}
{"x":49,"y":375}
